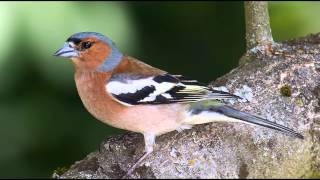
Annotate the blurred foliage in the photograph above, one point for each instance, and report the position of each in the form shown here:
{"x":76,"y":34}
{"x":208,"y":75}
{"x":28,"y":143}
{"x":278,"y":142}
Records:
{"x":294,"y":19}
{"x":43,"y":122}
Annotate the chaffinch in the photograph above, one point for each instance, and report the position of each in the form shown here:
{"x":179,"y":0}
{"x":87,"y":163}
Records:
{"x":126,"y":93}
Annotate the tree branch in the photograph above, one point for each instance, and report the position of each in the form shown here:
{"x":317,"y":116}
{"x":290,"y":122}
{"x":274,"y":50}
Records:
{"x":258,"y":31}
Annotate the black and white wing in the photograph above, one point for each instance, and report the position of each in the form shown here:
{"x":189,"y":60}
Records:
{"x":130,"y":89}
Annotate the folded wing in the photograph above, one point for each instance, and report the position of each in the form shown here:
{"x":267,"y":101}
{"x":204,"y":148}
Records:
{"x":131,"y":89}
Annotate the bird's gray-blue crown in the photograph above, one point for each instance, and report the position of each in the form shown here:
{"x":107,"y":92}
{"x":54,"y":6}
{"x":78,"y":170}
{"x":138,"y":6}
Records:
{"x":112,"y":60}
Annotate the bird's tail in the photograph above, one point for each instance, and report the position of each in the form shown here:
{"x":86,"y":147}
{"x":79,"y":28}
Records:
{"x":229,"y":114}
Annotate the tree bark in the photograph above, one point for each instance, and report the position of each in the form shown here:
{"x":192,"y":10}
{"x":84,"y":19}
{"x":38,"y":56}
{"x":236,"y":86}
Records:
{"x":258,"y":31}
{"x":225,"y":150}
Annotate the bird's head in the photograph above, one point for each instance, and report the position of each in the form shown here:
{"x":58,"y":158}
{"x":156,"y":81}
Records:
{"x":91,"y":51}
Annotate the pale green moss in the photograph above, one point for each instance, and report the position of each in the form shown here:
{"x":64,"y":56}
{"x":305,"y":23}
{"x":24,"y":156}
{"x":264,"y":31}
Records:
{"x":299,"y":102}
{"x":59,"y":171}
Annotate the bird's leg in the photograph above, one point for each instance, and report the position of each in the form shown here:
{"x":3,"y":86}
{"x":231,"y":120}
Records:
{"x":149,"y":140}
{"x":136,"y":164}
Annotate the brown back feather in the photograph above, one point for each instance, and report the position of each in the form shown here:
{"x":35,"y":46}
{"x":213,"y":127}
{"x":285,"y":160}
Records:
{"x":132,"y":65}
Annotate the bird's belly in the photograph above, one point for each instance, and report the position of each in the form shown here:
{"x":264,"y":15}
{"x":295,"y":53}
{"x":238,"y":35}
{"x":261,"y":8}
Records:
{"x":157,"y":119}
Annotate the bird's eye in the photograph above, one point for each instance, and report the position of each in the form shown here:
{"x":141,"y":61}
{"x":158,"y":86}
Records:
{"x":86,"y":45}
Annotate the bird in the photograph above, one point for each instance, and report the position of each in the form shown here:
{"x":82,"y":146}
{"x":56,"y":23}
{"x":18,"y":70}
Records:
{"x":126,"y":93}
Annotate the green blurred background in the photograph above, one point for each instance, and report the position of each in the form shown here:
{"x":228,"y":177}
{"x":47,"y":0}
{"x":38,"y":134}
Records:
{"x":43,"y":122}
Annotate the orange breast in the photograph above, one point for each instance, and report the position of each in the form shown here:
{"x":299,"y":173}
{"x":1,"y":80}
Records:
{"x":91,"y":89}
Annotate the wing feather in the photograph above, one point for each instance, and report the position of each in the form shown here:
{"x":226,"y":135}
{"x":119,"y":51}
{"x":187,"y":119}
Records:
{"x":161,"y":89}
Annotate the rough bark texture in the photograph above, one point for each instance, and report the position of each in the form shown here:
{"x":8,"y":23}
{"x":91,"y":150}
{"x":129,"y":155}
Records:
{"x":258,"y":31}
{"x":221,"y":150}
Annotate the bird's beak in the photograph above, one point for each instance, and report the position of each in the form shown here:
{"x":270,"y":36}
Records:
{"x":67,"y":51}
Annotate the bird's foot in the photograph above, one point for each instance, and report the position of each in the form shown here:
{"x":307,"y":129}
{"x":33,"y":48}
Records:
{"x":138,"y":163}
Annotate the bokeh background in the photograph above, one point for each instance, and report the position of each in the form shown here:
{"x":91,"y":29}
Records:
{"x":43,"y":124}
